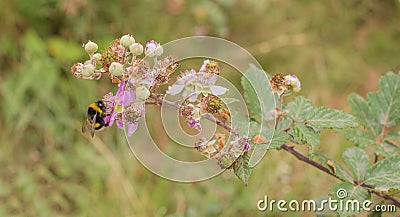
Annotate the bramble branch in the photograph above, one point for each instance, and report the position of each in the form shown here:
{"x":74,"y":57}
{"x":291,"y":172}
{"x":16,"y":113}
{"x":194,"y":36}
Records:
{"x":158,"y":100}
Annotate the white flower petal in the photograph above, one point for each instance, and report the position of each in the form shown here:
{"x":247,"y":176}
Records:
{"x":193,"y":97}
{"x":218,"y":90}
{"x":175,"y":89}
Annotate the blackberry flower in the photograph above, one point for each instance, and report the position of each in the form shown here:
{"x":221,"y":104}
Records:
{"x":193,"y":83}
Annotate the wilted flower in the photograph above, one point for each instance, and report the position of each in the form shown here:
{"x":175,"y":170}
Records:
{"x":211,"y":103}
{"x":206,"y":148}
{"x":210,"y":66}
{"x":123,"y":106}
{"x":192,"y":115}
{"x":240,"y":145}
{"x":131,"y":115}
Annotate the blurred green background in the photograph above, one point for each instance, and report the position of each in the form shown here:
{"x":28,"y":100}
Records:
{"x":48,"y":168}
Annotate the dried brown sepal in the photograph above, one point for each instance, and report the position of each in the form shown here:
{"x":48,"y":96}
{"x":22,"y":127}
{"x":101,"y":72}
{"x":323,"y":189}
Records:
{"x":259,"y":139}
{"x":221,"y":140}
{"x":224,"y":115}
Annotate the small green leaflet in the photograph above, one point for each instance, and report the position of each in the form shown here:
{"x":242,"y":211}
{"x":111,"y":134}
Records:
{"x":385,"y":103}
{"x":360,"y":137}
{"x":363,"y":114}
{"x":357,"y":160}
{"x":347,"y":191}
{"x":386,"y":149}
{"x":257,"y":92}
{"x":385,"y":174}
{"x":303,"y":134}
{"x":300,"y":109}
{"x":242,"y":169}
{"x":323,"y":117}
{"x":392,"y":137}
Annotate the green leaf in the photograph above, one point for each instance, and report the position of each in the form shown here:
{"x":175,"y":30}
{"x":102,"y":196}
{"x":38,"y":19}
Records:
{"x":346,"y":191}
{"x":229,"y":100}
{"x":375,"y":213}
{"x":385,"y":103}
{"x":323,"y":117}
{"x":386,"y":149}
{"x":363,"y":114}
{"x":242,"y":169}
{"x":360,"y":137}
{"x":300,"y":109}
{"x":335,"y":168}
{"x":385,"y":174}
{"x":285,"y":123}
{"x":303,"y":134}
{"x":357,"y":160}
{"x":241,"y":122}
{"x":258,"y":93}
{"x":278,"y":139}
{"x":392,"y":137}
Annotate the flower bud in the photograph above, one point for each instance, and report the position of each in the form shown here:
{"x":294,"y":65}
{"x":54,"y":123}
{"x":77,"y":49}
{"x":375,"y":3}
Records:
{"x":91,"y":47}
{"x":294,"y":82}
{"x":150,"y":49}
{"x":127,"y":40}
{"x":88,"y":70}
{"x":136,"y":49}
{"x":116,"y":68}
{"x":142,"y":93}
{"x":159,"y":50}
{"x":97,"y":58}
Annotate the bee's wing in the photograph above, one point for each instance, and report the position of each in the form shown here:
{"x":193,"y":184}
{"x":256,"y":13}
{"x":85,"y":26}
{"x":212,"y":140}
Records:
{"x":89,"y":124}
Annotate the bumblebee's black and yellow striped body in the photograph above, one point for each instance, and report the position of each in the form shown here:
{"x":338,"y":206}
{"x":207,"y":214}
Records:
{"x":95,"y":117}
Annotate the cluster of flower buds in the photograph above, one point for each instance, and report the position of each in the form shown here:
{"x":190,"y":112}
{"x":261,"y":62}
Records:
{"x":133,"y":75}
{"x":285,"y":84}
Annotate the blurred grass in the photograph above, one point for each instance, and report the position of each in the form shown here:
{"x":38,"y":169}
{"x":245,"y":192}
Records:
{"x":50,"y":169}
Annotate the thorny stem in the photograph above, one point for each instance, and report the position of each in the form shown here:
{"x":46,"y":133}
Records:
{"x":158,"y":99}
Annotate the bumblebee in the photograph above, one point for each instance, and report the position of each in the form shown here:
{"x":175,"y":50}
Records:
{"x":95,"y":117}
